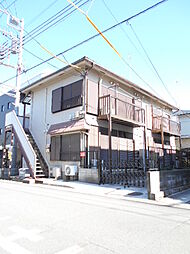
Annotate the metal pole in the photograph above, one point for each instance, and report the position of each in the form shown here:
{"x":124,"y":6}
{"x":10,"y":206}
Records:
{"x":19,"y":66}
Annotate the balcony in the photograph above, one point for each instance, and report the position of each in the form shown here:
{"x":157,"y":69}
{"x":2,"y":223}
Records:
{"x":120,"y":111}
{"x":166,"y":125}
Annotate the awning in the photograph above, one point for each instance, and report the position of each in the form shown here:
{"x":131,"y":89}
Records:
{"x":70,"y":126}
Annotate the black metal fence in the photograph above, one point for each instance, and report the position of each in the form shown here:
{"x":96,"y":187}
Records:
{"x":166,"y":159}
{"x":127,"y":174}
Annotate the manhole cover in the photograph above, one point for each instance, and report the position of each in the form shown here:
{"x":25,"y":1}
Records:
{"x":134,"y":194}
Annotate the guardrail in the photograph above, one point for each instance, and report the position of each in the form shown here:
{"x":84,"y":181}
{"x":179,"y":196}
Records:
{"x":121,"y":109}
{"x":167,"y":124}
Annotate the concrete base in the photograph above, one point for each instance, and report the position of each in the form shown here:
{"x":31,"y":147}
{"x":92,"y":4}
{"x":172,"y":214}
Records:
{"x":88,"y":175}
{"x":153,"y":186}
{"x":156,"y":196}
{"x":28,"y":181}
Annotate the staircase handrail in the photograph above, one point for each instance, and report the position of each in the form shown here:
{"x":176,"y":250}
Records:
{"x":12,"y":119}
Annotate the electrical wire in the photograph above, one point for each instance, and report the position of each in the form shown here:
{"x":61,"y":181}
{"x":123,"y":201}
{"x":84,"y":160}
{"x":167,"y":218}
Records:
{"x":153,"y":66}
{"x":42,"y":12}
{"x":111,"y":45}
{"x":124,"y":31}
{"x":48,"y":23}
{"x":140,"y":43}
{"x":8,"y":7}
{"x":31,"y":35}
{"x":39,"y":58}
{"x":85,"y":41}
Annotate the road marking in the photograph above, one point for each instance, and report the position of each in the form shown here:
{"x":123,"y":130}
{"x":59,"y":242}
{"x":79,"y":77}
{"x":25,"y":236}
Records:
{"x":7,"y":243}
{"x":71,"y":250}
{"x":31,"y":235}
{"x":5,"y":218}
{"x":11,"y":247}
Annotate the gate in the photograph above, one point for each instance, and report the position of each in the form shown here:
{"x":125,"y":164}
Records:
{"x":124,"y":174}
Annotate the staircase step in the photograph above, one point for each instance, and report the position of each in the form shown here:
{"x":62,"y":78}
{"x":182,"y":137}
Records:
{"x":41,"y":166}
{"x":40,"y":175}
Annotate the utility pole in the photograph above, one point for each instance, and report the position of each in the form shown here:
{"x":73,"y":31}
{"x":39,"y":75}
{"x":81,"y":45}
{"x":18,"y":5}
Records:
{"x":19,"y":65}
{"x":13,"y":45}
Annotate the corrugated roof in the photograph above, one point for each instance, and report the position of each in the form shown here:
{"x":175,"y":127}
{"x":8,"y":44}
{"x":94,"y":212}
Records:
{"x":69,"y":126}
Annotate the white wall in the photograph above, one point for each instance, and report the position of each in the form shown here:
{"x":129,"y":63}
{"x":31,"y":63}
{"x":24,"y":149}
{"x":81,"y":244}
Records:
{"x":42,"y":117}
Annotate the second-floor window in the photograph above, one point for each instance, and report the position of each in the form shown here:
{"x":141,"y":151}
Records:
{"x":67,"y":97}
{"x":2,"y":108}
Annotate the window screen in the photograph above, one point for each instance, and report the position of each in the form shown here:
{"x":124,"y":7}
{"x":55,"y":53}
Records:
{"x":70,"y":147}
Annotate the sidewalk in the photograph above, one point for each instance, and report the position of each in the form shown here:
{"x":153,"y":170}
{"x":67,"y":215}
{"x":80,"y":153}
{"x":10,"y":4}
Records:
{"x":180,"y":200}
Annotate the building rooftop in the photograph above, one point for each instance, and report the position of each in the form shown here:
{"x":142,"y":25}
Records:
{"x":87,"y":65}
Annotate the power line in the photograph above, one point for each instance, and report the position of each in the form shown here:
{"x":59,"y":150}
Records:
{"x":125,"y":33}
{"x":110,"y":44}
{"x":42,"y":12}
{"x":39,"y":58}
{"x":88,"y":39}
{"x":8,"y":7}
{"x":32,"y":34}
{"x":47,"y":24}
{"x":153,"y":66}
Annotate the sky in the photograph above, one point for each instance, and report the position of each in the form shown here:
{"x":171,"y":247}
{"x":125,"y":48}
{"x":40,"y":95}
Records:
{"x":155,"y":45}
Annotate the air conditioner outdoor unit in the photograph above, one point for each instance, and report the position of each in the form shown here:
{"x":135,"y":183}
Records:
{"x":55,"y":172}
{"x":70,"y":170}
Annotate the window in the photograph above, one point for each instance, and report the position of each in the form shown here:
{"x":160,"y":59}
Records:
{"x":158,"y":139}
{"x":9,"y":105}
{"x":1,"y":131}
{"x":55,"y":148}
{"x":70,"y":147}
{"x":65,"y":147}
{"x":72,"y":95}
{"x":2,"y":108}
{"x":56,"y":100}
{"x":116,"y":133}
{"x":67,"y":97}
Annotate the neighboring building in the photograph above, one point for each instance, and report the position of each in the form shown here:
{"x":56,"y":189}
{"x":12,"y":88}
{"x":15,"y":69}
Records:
{"x":86,"y":115}
{"x":184,"y":118}
{"x":6,"y":105}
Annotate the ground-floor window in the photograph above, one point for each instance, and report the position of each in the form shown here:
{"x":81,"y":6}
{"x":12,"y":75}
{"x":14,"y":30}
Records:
{"x":65,"y":147}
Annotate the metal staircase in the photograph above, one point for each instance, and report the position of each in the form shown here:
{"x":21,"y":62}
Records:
{"x":29,"y":149}
{"x":41,"y":165}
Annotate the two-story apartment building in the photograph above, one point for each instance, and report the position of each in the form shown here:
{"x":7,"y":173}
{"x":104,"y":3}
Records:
{"x":84,"y":114}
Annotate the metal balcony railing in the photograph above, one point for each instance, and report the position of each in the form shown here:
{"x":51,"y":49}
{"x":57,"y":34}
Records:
{"x":121,"y":110}
{"x":168,"y":125}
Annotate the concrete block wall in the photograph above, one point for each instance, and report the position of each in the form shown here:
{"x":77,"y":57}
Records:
{"x":88,"y":175}
{"x":173,"y":181}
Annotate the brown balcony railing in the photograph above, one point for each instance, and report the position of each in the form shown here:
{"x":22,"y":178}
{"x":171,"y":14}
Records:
{"x":169,"y":126}
{"x":120,"y":109}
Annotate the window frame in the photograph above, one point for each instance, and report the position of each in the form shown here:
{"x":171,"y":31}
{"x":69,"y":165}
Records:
{"x":66,"y":154}
{"x":9,"y":105}
{"x":70,"y":101}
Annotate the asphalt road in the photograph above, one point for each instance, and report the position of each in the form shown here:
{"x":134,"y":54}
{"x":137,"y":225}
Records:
{"x":37,"y":219}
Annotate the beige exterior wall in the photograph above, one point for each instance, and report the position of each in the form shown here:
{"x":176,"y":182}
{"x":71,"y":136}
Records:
{"x":42,"y":118}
